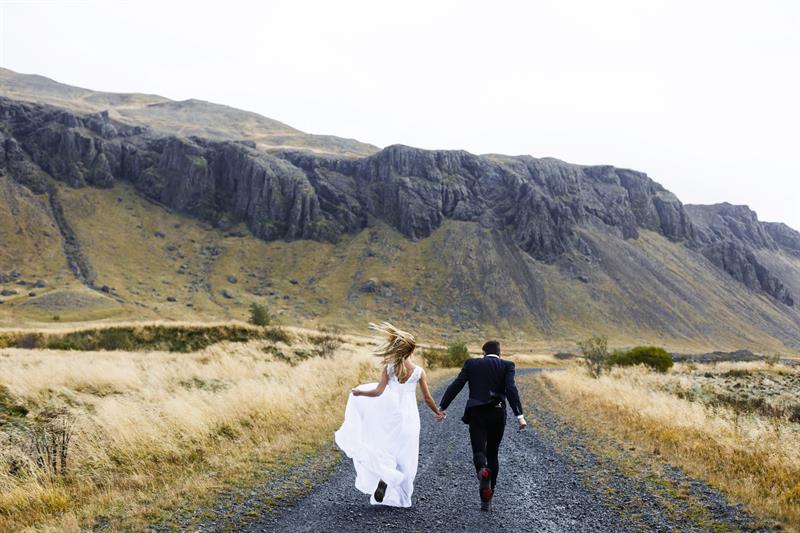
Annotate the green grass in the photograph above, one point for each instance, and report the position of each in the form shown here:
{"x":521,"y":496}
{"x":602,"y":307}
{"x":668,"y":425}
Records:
{"x":11,"y":412}
{"x":179,"y":338}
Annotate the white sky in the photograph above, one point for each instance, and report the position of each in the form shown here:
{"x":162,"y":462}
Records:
{"x":704,"y":96}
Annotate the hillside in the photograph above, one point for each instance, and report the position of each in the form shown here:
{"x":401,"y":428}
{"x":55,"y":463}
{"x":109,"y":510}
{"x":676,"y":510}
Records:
{"x":124,"y":214}
{"x":186,"y":118}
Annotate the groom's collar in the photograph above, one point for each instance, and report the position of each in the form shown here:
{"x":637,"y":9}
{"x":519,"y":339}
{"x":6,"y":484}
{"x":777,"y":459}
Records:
{"x":492,"y":355}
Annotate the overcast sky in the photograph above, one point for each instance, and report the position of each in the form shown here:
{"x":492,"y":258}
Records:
{"x":704,"y":96}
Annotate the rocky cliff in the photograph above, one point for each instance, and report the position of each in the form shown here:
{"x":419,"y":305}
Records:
{"x":729,"y":234}
{"x":539,"y":204}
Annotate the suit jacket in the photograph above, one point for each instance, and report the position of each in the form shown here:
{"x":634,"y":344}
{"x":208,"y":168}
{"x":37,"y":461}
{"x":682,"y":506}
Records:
{"x":490,"y":379}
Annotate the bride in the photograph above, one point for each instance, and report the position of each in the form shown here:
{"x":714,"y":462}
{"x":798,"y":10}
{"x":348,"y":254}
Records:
{"x":381,"y":423}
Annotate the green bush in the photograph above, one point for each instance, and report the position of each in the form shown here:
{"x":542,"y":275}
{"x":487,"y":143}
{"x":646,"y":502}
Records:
{"x":457,"y":354}
{"x":651,"y":356}
{"x":259,"y":316}
{"x":453,"y":357}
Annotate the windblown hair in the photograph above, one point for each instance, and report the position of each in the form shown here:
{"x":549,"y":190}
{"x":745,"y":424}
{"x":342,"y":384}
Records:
{"x":398,"y":347}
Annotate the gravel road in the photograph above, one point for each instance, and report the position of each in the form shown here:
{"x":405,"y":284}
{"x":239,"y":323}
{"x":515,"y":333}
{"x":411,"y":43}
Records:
{"x":541,"y":488}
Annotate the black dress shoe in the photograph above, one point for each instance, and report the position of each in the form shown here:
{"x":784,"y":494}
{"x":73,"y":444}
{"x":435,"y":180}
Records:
{"x":380,"y":492}
{"x":485,"y":478}
{"x":486,"y":506}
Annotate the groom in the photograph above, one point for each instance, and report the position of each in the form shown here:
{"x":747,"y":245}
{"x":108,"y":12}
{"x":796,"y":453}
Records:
{"x":491,"y":386}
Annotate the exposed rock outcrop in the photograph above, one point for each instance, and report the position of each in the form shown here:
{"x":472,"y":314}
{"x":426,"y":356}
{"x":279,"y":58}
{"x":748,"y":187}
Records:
{"x":727,"y":235}
{"x":538,"y":203}
{"x":740,"y":263}
{"x":784,"y":236}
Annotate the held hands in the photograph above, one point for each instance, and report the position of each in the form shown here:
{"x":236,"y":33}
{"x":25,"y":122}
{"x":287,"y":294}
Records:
{"x":440,"y":416}
{"x":522,"y":423}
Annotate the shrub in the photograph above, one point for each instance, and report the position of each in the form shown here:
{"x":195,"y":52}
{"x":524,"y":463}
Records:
{"x":595,"y":354}
{"x":432,"y":357}
{"x":259,"y":316}
{"x":277,"y":334}
{"x":326,"y":344}
{"x":30,"y":341}
{"x":457,"y":354}
{"x":772,"y":360}
{"x":563,"y":356}
{"x":651,"y":356}
{"x":51,"y":434}
{"x":454,"y":357}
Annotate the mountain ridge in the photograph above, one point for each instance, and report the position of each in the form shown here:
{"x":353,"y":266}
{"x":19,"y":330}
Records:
{"x":553,"y":212}
{"x":207,"y":119}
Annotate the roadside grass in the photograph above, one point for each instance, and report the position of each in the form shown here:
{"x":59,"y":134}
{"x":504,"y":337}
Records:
{"x":155,"y":431}
{"x":753,"y":459}
{"x":537,"y":361}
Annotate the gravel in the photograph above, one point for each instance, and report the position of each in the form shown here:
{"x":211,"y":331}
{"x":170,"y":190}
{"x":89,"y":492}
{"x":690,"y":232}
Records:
{"x":544,"y":486}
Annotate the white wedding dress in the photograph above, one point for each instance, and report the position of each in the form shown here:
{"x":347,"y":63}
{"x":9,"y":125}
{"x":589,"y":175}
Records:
{"x":381,"y":436}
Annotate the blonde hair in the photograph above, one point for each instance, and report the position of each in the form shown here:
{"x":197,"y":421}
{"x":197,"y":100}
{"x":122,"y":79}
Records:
{"x":398,"y":347}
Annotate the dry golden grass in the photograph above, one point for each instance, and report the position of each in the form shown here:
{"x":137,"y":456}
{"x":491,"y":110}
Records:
{"x":754,"y":460}
{"x":155,"y":430}
{"x":538,"y":361}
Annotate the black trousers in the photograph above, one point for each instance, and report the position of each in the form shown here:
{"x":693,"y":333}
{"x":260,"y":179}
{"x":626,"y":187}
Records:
{"x":486,"y":427}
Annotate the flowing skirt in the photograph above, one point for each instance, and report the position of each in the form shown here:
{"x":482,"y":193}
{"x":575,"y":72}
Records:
{"x":381,"y":436}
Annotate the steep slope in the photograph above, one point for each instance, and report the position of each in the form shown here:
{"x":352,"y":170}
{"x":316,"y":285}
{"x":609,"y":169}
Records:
{"x":184,"y":118}
{"x":175,"y":226}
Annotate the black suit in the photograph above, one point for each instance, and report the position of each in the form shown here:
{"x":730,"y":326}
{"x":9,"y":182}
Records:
{"x":491,"y":385}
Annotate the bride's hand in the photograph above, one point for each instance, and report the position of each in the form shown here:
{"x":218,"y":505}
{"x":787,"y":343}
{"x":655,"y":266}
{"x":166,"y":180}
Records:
{"x":356,"y":392}
{"x":440,"y":416}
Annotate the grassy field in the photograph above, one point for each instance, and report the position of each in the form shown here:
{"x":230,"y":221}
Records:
{"x":164,"y":416}
{"x":153,"y":431}
{"x":749,"y":449}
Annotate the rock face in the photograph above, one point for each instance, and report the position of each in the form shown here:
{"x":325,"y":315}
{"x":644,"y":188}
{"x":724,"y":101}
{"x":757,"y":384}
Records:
{"x":784,"y":236}
{"x":540,"y":204}
{"x":728,"y":234}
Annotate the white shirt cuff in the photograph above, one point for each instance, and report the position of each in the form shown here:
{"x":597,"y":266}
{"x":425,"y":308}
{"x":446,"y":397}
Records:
{"x":520,"y":417}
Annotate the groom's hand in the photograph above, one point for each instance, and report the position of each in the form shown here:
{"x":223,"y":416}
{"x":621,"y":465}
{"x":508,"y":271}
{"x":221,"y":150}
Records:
{"x":440,"y":416}
{"x":522,"y":423}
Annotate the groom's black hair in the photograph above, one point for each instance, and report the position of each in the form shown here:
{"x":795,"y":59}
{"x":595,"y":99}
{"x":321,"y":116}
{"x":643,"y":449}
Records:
{"x":491,"y":347}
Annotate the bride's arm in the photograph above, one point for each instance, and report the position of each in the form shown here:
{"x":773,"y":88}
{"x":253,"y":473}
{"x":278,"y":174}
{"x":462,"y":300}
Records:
{"x":426,"y":395}
{"x":377,"y":391}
